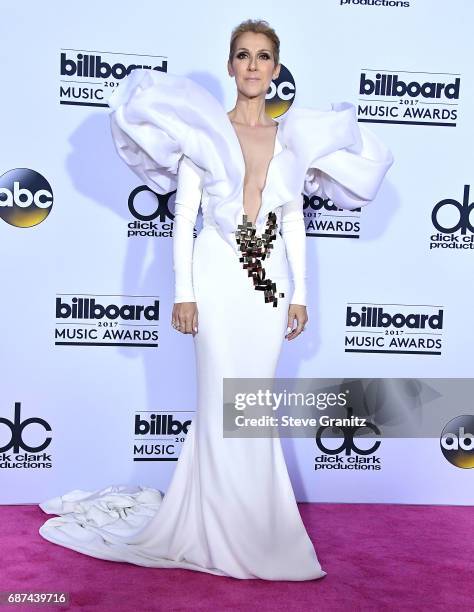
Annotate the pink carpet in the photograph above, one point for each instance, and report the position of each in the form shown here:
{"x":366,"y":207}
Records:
{"x":378,"y":557}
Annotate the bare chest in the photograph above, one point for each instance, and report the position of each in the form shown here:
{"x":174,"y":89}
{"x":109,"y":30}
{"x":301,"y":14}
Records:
{"x":258,"y":147}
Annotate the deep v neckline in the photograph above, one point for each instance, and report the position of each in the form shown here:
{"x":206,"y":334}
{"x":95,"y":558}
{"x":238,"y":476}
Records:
{"x":276,"y":142}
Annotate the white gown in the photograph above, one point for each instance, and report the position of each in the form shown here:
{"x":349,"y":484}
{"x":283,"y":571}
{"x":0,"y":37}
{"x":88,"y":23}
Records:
{"x":230,"y":508}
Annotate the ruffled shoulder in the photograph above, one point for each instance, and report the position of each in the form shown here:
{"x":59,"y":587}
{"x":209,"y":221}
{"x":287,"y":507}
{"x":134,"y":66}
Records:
{"x":157,"y":117}
{"x":343,"y":159}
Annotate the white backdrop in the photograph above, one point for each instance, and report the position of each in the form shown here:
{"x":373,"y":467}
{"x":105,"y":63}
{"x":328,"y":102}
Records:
{"x":92,"y":399}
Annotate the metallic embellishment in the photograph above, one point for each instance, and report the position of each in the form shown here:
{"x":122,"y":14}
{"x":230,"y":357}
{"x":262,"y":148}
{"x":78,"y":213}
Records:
{"x":254,"y":249}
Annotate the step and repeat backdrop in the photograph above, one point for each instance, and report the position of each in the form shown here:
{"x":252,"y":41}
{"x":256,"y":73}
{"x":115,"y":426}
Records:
{"x":97,"y":388}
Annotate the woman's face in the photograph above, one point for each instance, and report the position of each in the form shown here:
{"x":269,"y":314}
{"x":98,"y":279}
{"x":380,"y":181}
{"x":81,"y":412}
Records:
{"x":253,"y":64}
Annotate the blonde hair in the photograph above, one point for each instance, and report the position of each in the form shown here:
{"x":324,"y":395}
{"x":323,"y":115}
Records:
{"x":258,"y":26}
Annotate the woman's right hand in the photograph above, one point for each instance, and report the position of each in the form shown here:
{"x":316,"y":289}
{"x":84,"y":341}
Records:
{"x":184,"y":317}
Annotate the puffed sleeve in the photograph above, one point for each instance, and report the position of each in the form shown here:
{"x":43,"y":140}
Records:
{"x":352,"y":173}
{"x":187,"y":200}
{"x":293,"y":232}
{"x":148,"y":129}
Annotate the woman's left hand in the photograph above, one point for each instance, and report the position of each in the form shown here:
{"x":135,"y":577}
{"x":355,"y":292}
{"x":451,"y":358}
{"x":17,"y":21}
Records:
{"x":298,"y":312}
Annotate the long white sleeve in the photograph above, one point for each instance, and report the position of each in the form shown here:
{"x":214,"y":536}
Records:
{"x":293,"y":232}
{"x":187,"y":200}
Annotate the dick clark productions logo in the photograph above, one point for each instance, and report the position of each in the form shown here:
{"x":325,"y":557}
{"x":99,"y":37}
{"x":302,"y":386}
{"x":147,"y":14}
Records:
{"x":17,"y":428}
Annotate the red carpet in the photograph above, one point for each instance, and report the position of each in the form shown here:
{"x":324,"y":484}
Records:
{"x":378,"y":557}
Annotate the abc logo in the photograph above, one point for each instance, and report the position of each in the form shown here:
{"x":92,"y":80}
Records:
{"x":457,"y":441}
{"x":281,"y":93}
{"x":446,"y":209}
{"x":26,"y":197}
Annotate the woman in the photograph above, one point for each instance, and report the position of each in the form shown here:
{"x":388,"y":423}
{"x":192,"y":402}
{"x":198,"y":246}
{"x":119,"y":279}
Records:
{"x":230,"y":508}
